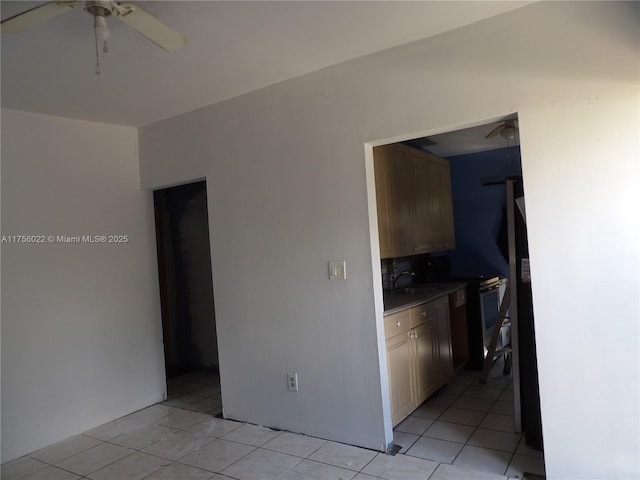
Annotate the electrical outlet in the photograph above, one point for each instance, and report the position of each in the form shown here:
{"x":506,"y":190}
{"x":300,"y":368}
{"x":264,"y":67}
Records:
{"x":292,"y":381}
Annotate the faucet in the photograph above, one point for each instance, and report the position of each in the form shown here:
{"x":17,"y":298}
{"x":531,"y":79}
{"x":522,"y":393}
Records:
{"x":394,"y":281}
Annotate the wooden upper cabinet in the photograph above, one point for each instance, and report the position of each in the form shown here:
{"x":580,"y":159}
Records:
{"x":447,"y":209}
{"x":413,"y":193}
{"x":424,"y":228}
{"x":394,"y":200}
{"x":383,"y":167}
{"x":402,"y":202}
{"x":442,"y":208}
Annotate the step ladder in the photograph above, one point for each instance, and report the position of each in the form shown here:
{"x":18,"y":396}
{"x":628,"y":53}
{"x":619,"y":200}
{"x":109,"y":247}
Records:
{"x":491,"y":349}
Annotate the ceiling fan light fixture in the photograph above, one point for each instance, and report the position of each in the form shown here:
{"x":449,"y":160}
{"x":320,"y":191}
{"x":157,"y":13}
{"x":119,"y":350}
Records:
{"x":101,"y":34}
{"x":102,"y":30}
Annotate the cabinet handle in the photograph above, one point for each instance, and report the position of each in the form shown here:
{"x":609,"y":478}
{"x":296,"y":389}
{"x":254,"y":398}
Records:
{"x":409,"y":334}
{"x":398,"y":323}
{"x":424,"y":314}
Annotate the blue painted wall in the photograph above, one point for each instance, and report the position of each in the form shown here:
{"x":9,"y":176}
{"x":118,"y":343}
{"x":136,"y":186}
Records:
{"x":478,"y":210}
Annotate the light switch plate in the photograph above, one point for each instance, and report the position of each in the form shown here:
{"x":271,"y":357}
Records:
{"x":337,"y":270}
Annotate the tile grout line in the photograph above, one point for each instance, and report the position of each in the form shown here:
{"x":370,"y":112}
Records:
{"x":262,"y":447}
{"x":97,"y":469}
{"x":55,"y":465}
{"x":366,"y":464}
{"x":480,"y":423}
{"x":476,"y":427}
{"x":232,"y":463}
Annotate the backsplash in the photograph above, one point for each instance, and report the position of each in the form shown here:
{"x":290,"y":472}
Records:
{"x":426,"y":268}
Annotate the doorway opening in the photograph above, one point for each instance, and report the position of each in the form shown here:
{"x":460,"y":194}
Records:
{"x":187,"y":301}
{"x":417,"y":252}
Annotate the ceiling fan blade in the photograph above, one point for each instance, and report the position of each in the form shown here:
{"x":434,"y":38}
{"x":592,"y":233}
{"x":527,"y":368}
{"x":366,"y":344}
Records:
{"x":495,"y":132}
{"x":36,"y":15}
{"x":150,"y":27}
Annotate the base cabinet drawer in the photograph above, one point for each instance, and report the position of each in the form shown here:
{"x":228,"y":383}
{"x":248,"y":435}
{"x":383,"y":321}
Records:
{"x":396,"y":324}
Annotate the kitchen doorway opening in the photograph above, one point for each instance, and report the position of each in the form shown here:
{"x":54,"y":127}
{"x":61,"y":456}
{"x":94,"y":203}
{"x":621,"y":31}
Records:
{"x":484,"y":162}
{"x":187,"y":299}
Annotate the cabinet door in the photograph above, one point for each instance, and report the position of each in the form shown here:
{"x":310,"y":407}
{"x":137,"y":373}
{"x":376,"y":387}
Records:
{"x":424,"y":229}
{"x":402,"y":203}
{"x":394,"y":200}
{"x":441,"y":203}
{"x":383,"y":175}
{"x":445,"y":358}
{"x":425,"y":361}
{"x":449,"y":235}
{"x":401,"y":387}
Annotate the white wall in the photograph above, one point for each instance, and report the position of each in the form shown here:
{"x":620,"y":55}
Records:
{"x":287,"y":188}
{"x":81,"y":329}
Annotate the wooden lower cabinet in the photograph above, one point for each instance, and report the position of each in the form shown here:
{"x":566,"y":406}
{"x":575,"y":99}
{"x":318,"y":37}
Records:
{"x":418,"y":355}
{"x":401,"y":383}
{"x":425,"y":362}
{"x":445,"y":358}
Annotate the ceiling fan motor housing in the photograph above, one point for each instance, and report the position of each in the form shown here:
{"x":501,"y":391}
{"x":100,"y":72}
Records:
{"x":98,"y":7}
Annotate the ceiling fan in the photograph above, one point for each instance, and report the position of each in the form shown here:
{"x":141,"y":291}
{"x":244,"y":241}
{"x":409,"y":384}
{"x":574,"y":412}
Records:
{"x":129,"y":13}
{"x":507,"y":130}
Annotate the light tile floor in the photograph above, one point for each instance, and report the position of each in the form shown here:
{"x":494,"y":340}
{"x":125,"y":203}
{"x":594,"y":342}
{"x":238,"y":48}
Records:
{"x":462,"y":433}
{"x":470,"y":425}
{"x":198,"y":391}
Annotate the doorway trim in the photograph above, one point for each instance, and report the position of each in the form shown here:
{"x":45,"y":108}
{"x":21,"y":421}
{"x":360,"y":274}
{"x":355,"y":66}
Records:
{"x":374,"y":242}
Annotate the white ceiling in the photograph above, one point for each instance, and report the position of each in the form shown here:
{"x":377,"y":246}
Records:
{"x":470,"y":140}
{"x":234,"y":48}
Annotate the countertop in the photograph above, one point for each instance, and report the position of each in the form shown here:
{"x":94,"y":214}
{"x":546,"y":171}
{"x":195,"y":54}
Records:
{"x":417,"y":294}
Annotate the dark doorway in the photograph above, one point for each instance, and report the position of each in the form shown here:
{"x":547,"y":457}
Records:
{"x":186,"y":287}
